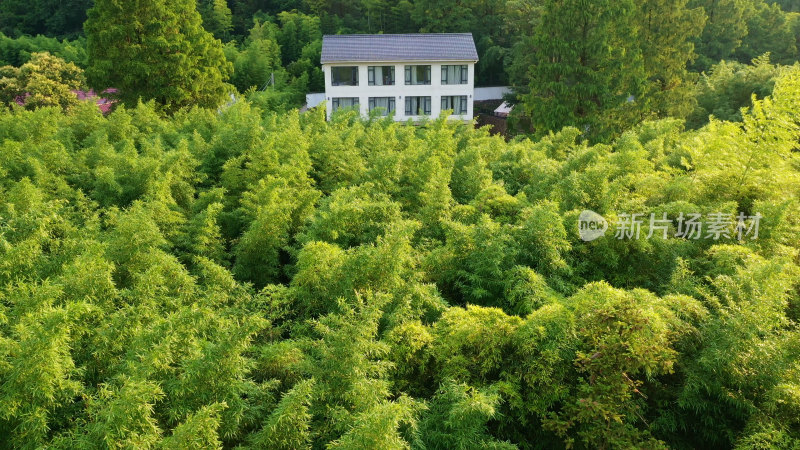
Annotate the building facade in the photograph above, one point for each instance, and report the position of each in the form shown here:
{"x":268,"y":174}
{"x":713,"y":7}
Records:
{"x":408,"y":76}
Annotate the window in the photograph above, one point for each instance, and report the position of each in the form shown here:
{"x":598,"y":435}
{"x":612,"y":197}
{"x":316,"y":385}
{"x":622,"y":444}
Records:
{"x":343,"y":102}
{"x":418,"y":74}
{"x":454,"y":74}
{"x":458,"y":103}
{"x":385,"y":103}
{"x":380,"y":75}
{"x":418,"y":106}
{"x":344,"y":76}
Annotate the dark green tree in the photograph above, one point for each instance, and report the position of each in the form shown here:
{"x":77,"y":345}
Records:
{"x":155,"y":50}
{"x":56,"y":18}
{"x":217,"y":17}
{"x":667,"y":30}
{"x":769,"y":29}
{"x":585,"y":67}
{"x":726,"y":26}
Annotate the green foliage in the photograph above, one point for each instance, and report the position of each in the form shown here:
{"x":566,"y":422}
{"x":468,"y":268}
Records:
{"x":669,"y":33}
{"x":255,"y":65}
{"x":353,"y":216}
{"x":45,"y":80}
{"x":769,"y":29}
{"x":280,"y":60}
{"x":198,"y":431}
{"x":626,"y":339}
{"x":47,"y":17}
{"x":378,"y":427}
{"x":458,"y":417}
{"x":729,"y":86}
{"x":726,"y":25}
{"x":583,"y":70}
{"x":18,"y":51}
{"x":605,"y":66}
{"x":155,"y":50}
{"x":217,"y":17}
{"x":667,"y":30}
{"x":246,"y":278}
{"x":288,"y":426}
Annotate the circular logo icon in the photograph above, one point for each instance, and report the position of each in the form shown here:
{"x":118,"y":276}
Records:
{"x":591,"y":225}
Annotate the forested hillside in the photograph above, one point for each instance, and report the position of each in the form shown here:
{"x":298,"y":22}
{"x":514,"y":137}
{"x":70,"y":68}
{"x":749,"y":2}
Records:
{"x":570,"y":63}
{"x":240,"y":277}
{"x":205,"y":266}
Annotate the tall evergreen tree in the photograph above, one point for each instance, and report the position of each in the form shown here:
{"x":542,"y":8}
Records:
{"x":604,"y":66}
{"x":585,"y":66}
{"x":217,"y":17}
{"x":724,"y":30}
{"x":155,"y":49}
{"x":769,"y":30}
{"x":666,"y":31}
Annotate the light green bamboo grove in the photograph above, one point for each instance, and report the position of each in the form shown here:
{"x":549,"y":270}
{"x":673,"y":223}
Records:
{"x":258,"y":280}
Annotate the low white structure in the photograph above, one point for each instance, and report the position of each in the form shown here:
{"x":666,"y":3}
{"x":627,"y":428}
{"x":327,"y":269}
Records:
{"x":409,"y":76}
{"x":314,"y":99}
{"x":503,"y":110}
{"x":491,"y":93}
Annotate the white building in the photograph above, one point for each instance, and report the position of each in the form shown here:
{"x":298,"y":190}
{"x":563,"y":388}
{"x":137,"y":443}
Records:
{"x":407,"y":75}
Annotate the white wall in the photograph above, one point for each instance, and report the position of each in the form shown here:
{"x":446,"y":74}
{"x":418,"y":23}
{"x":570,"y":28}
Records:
{"x":491,"y":93}
{"x":400,"y":90}
{"x":314,"y":99}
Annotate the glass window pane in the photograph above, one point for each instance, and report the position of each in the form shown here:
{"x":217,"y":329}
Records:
{"x":418,"y":74}
{"x":386,"y":77}
{"x":343,"y":102}
{"x":418,"y":106}
{"x":454,"y":74}
{"x":344,"y":76}
{"x":385,"y":103}
{"x":456,"y":103}
{"x":381,"y":75}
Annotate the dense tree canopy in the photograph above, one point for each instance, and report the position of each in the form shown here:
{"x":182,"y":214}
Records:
{"x":604,"y":66}
{"x":657,"y":50}
{"x":45,"y":80}
{"x":155,"y":49}
{"x":16,"y":52}
{"x":180,"y":274}
{"x":214,"y":279}
{"x":59,"y":18}
{"x":217,"y":17}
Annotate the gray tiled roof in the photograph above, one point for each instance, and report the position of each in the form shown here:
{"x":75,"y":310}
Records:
{"x":398,"y":47}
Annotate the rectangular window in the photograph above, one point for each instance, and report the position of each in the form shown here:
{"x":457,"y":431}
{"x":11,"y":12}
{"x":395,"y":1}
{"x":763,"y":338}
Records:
{"x":418,"y":74}
{"x":344,"y":76}
{"x":454,"y":74}
{"x":418,"y":106}
{"x":343,"y":102}
{"x":380,"y":75}
{"x":386,"y":104}
{"x":457,"y":103}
